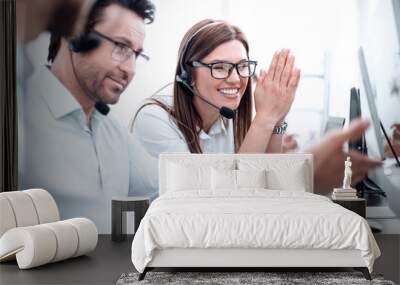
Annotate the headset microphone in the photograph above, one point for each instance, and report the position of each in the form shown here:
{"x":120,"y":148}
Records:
{"x":102,"y":107}
{"x":226,"y":112}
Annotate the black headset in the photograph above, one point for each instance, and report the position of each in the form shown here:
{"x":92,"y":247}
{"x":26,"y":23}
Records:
{"x":82,"y":44}
{"x":185,"y":78}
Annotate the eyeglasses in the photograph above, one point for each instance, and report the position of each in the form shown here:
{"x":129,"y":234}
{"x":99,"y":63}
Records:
{"x":121,"y":51}
{"x":223,"y":69}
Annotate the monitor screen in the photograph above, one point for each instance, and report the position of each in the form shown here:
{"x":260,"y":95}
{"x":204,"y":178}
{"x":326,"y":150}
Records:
{"x":396,"y":11}
{"x":355,"y":112}
{"x":383,"y":207}
{"x":373,"y":135}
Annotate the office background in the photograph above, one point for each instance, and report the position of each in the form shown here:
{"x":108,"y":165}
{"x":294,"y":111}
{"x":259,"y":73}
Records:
{"x":323,"y":35}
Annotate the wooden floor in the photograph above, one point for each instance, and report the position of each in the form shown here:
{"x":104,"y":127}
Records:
{"x":103,"y":266}
{"x":110,"y":259}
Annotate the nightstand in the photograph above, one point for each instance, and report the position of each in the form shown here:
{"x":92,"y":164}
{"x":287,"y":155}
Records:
{"x":358,"y":205}
{"x":121,"y":205}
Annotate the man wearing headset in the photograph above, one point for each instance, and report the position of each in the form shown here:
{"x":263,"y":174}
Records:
{"x":73,"y":148}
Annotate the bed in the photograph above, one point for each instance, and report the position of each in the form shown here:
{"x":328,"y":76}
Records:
{"x":247,"y":211}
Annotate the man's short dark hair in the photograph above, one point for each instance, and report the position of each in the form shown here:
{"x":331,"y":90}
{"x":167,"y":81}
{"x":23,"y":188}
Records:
{"x":144,"y":8}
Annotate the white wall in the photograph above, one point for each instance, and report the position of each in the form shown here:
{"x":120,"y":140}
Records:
{"x":312,"y":29}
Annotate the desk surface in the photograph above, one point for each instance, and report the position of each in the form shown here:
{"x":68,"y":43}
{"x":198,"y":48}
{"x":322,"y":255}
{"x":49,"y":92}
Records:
{"x":102,"y":266}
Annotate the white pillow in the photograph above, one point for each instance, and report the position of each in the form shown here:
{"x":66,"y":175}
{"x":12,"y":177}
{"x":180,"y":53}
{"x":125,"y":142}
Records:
{"x":293,"y":180}
{"x":223,"y":179}
{"x":191,"y":173}
{"x":226,"y":179}
{"x":183,"y":177}
{"x":281,"y":174}
{"x":251,"y":178}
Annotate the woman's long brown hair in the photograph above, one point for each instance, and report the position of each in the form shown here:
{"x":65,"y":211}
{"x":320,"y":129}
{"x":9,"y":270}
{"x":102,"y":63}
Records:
{"x":183,"y":110}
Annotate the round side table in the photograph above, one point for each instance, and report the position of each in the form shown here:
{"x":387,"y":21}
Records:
{"x":119,"y":207}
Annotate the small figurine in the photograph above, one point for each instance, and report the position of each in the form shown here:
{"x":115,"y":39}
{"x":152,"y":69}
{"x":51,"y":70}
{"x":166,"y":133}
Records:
{"x":347,"y":174}
{"x":346,"y":192}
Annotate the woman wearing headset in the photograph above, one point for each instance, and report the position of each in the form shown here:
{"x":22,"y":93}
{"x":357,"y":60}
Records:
{"x":213,"y":78}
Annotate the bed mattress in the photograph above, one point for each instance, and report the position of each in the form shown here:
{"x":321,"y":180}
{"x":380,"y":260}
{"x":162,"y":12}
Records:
{"x":250,"y":219}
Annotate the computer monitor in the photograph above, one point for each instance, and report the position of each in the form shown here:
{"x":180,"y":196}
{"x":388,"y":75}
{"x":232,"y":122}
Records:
{"x":378,"y":128}
{"x":366,"y":188}
{"x":374,"y":135}
{"x":396,"y":12}
{"x":355,"y":112}
{"x":375,"y":139}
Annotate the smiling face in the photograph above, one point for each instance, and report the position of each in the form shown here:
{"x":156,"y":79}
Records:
{"x":221,"y":92}
{"x":99,"y":73}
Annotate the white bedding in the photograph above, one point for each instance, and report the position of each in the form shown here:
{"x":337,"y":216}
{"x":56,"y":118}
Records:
{"x":252,"y":218}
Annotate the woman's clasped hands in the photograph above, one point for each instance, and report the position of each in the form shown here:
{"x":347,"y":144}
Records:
{"x":276,"y":88}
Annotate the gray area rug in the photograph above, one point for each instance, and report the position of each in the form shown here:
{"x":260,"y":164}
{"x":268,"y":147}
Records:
{"x":229,"y":278}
